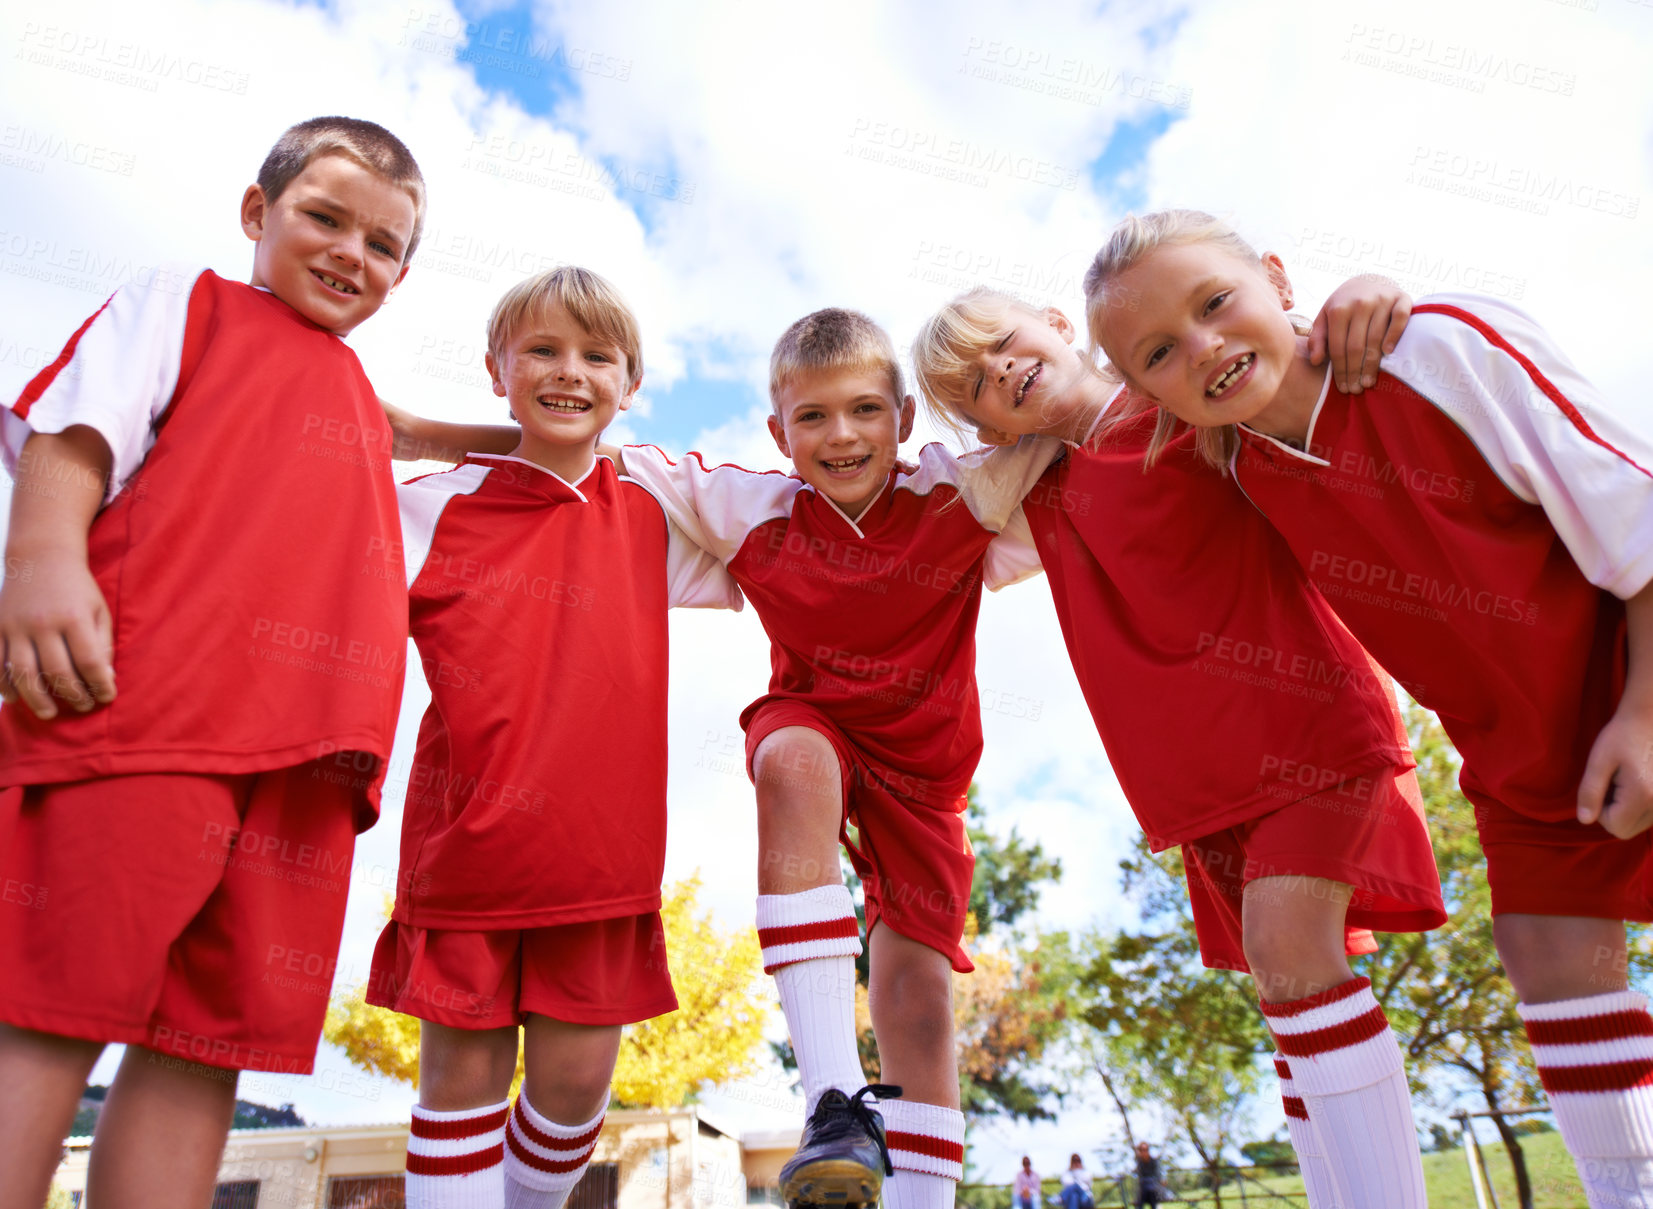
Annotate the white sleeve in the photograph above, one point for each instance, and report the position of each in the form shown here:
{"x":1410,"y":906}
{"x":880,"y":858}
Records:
{"x":1011,"y":556}
{"x":715,"y":507}
{"x":116,"y":375}
{"x":421,"y":502}
{"x":694,"y":578}
{"x":992,"y":481}
{"x":1546,"y":432}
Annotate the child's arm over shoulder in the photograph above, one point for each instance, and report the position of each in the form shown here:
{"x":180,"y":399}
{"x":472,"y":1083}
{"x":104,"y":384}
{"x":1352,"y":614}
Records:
{"x":1012,"y":555}
{"x":1544,"y":429}
{"x":72,"y":439}
{"x":716,"y":506}
{"x":418,"y":439}
{"x":994,"y":480}
{"x":695,"y":579}
{"x":1360,"y":323}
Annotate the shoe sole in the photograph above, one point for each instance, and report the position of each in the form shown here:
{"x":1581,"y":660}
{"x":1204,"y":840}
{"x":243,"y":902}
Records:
{"x":833,"y":1182}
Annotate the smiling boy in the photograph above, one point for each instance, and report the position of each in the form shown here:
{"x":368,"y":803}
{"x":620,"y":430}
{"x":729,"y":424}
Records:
{"x":190,"y":518}
{"x":867,"y":574}
{"x":534,"y":836}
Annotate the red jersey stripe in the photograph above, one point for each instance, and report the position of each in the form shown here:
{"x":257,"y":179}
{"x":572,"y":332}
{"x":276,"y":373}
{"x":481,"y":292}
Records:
{"x":924,"y":1144}
{"x":1587,"y":1030}
{"x":38,"y":384}
{"x":1604,"y":1076}
{"x":540,"y":1138}
{"x":1281,"y":1069}
{"x":1544,"y":384}
{"x":797,"y":934}
{"x":1295,"y":1107}
{"x":456,"y":1164}
{"x":550,"y":1166}
{"x":1337,"y":1036}
{"x":468,"y":1127}
{"x":1297,"y":1007}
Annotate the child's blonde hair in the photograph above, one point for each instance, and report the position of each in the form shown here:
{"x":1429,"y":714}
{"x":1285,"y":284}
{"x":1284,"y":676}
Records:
{"x":1130,"y":241}
{"x":833,"y":339}
{"x":368,"y":143}
{"x":589,"y":298}
{"x":947,"y":346}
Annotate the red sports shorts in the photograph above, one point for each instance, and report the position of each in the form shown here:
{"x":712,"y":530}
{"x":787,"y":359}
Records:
{"x":195,"y":915}
{"x":913,"y":858}
{"x":604,"y":971}
{"x":1538,"y":866}
{"x":1368,"y":832}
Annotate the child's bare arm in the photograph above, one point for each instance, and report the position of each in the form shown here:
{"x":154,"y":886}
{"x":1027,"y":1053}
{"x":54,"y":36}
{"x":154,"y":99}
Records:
{"x":55,"y":632}
{"x":1617,"y":787}
{"x":415,"y":438}
{"x":1359,"y":323}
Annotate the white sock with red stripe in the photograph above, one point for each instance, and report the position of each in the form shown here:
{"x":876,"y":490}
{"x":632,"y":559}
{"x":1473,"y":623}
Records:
{"x":1595,"y":1056}
{"x":544,"y":1160}
{"x":455,"y":1159}
{"x":1347,"y":1067}
{"x":926,"y":1144}
{"x":1305,"y":1140}
{"x":810,"y":942}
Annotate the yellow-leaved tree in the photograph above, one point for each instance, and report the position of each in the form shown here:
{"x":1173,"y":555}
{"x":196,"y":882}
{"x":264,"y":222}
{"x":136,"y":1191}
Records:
{"x":664,"y":1061}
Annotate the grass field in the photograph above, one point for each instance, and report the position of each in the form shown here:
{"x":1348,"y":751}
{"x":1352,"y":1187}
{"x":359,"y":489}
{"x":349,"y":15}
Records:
{"x":1555,"y":1183}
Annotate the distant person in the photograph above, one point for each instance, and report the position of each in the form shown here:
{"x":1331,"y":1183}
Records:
{"x":1150,"y":1180}
{"x":1076,"y":1186}
{"x":1024,"y":1190}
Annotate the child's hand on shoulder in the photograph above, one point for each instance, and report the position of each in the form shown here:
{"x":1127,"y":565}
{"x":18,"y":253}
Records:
{"x":1617,"y":789}
{"x":1360,"y":322}
{"x":56,"y":637}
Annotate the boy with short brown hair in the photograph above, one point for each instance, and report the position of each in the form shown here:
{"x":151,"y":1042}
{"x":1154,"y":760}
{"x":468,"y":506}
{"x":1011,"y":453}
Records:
{"x":199,"y":478}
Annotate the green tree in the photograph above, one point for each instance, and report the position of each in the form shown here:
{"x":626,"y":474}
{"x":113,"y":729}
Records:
{"x":1165,"y":1031}
{"x":262,"y":1116}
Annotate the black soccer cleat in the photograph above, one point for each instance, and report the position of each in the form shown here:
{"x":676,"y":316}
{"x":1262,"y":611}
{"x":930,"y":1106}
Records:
{"x":842,"y":1159}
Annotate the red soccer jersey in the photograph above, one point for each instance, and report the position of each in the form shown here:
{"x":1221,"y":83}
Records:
{"x":250,"y":489}
{"x":871,"y":619}
{"x":538,"y":791}
{"x":1222,"y":685}
{"x":1474,"y":519}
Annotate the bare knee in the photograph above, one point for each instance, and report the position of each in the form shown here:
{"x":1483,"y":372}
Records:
{"x":795,"y":769}
{"x":913,"y":1000}
{"x":800,"y":808}
{"x":1292,"y":932}
{"x":568,"y":1096}
{"x":911,"y":996}
{"x":464,"y":1068}
{"x":570,"y":1068}
{"x":1549,"y":958}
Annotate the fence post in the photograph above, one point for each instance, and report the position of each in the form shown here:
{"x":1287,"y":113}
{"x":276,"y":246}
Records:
{"x":1472,"y":1151}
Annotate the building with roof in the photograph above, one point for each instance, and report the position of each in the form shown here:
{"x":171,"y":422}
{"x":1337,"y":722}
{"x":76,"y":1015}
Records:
{"x":645,"y":1159}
